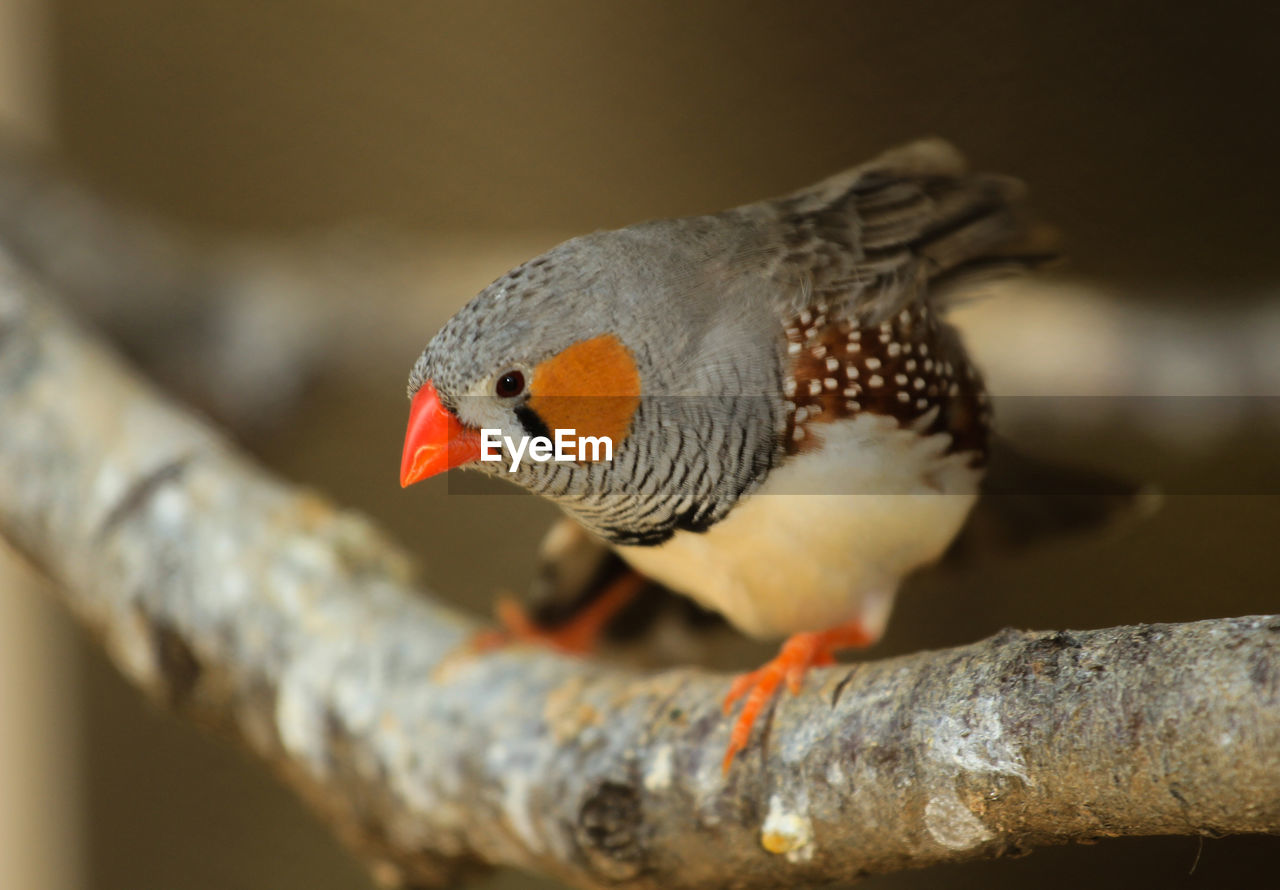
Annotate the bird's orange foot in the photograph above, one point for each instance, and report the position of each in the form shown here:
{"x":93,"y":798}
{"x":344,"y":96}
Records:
{"x":577,"y":636}
{"x":798,"y":654}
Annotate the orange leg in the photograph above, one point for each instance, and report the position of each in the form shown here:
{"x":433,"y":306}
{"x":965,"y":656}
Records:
{"x":798,"y":654}
{"x":578,"y":636}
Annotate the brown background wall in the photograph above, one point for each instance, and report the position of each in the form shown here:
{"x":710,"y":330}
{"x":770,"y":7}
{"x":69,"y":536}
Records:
{"x":1147,"y":128}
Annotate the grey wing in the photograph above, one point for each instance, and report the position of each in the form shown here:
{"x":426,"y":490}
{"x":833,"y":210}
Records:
{"x":911,"y":224}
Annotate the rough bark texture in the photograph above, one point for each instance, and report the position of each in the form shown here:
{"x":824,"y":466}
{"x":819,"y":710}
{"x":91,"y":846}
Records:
{"x":261,"y":609}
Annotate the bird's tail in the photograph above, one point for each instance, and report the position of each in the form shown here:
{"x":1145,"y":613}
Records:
{"x":1027,"y":499}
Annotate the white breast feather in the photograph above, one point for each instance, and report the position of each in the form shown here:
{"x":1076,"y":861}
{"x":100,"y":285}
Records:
{"x":829,"y":536}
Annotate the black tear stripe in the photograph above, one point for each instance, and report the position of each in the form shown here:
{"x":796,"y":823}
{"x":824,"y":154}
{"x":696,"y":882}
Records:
{"x":532,"y":423}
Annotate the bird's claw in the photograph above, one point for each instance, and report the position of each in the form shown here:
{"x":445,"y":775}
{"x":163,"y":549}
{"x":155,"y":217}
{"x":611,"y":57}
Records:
{"x":798,"y":655}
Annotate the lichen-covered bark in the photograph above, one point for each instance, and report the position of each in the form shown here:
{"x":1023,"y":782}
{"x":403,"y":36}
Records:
{"x":261,"y":609}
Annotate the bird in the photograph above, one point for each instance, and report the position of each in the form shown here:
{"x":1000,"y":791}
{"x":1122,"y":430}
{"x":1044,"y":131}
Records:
{"x":795,"y":426}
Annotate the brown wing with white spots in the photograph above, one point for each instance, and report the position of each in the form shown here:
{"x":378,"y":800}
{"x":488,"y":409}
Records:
{"x":911,"y":367}
{"x":869,"y":261}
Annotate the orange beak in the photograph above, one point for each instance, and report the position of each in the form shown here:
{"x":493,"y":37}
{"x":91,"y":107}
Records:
{"x":435,"y":441}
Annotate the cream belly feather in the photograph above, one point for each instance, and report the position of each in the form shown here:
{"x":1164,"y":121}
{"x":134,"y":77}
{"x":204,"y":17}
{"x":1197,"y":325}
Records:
{"x":830,"y":534}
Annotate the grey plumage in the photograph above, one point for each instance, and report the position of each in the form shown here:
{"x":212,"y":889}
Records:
{"x":702,"y":303}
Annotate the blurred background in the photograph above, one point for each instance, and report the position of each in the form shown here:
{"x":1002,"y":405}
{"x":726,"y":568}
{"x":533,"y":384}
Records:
{"x":272,"y":206}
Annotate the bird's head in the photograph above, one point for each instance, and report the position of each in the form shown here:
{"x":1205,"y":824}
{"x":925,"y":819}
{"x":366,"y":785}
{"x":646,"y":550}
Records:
{"x":604,"y":337}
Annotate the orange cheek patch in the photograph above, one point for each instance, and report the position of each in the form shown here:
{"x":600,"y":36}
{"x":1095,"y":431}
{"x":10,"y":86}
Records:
{"x":592,"y":387}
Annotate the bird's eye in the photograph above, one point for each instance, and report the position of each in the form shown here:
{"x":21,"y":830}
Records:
{"x":509,"y":384}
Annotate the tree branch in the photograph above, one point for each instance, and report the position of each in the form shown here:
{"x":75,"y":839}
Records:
{"x":261,"y":609}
